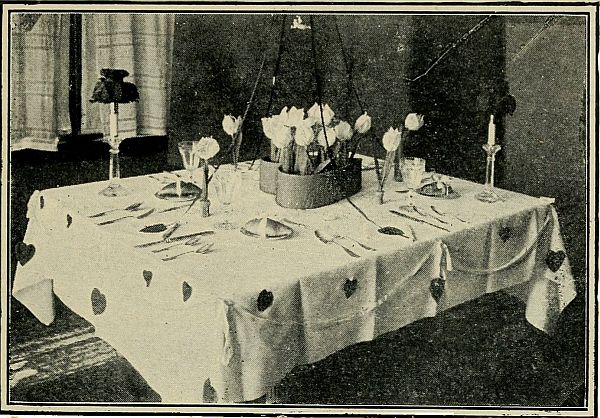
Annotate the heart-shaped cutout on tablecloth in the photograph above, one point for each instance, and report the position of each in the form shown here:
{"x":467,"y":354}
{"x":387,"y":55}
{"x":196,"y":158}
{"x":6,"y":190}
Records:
{"x":69,"y":220}
{"x":98,"y":301}
{"x":186,"y":290}
{"x":504,"y":233}
{"x":42,"y":202}
{"x":349,"y":287}
{"x":265,"y":299}
{"x":436,"y":288}
{"x":147,"y":277}
{"x":24,"y":252}
{"x":209,"y":393}
{"x":554,"y":259}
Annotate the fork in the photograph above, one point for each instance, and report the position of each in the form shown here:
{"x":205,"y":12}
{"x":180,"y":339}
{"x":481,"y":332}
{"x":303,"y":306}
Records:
{"x":142,"y":216}
{"x":203,"y":249}
{"x":423,"y":213}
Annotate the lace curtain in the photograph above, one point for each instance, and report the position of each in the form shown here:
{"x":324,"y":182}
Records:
{"x":39,"y":80}
{"x":142,"y":44}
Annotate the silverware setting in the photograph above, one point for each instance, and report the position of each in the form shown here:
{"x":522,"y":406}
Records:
{"x":173,"y":239}
{"x":425,"y":214}
{"x":133,"y":207}
{"x":423,"y":221}
{"x":142,"y":216}
{"x":439,"y":212}
{"x":192,"y":241}
{"x":203,"y":249}
{"x":336,"y":236}
{"x":328,"y":239}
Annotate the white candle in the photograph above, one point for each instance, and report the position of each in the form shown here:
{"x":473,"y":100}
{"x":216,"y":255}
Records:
{"x":491,"y":132}
{"x":114,"y":121}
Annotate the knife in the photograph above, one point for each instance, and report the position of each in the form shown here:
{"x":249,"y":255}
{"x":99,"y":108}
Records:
{"x":175,"y":239}
{"x":395,"y":212}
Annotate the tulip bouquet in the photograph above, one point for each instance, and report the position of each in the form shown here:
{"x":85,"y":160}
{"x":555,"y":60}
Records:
{"x":393,"y":142}
{"x":310,"y":142}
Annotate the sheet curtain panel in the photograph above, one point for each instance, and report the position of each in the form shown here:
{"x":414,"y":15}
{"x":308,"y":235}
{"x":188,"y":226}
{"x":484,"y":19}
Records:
{"x":142,"y":44}
{"x":39,"y":80}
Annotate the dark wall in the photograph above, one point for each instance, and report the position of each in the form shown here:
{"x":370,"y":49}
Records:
{"x":545,"y":145}
{"x":450,"y":93}
{"x":217,"y":57}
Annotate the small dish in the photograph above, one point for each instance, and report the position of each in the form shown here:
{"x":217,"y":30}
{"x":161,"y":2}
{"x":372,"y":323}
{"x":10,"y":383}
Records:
{"x":266,"y":228}
{"x":189,"y":191}
{"x":432,"y":190}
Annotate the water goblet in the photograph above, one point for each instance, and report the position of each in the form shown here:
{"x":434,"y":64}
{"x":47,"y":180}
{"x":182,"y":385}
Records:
{"x":190,"y":158}
{"x":227,"y":184}
{"x":412,"y":170}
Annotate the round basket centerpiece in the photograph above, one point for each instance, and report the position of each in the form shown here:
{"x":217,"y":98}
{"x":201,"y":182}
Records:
{"x":312,"y":160}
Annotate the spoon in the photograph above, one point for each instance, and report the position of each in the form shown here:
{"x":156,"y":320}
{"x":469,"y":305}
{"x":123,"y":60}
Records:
{"x":425,"y":214}
{"x":327,"y":239}
{"x":191,"y":241}
{"x":143,"y":215}
{"x":156,"y":228}
{"x":386,"y":230}
{"x":133,"y":206}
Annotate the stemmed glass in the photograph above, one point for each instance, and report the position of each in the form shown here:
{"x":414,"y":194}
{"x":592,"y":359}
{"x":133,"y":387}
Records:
{"x":412,"y":170}
{"x":190,"y":158}
{"x":227,"y":184}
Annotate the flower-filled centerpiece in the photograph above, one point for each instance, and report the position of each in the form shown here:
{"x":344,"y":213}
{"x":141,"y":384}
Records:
{"x":312,"y":160}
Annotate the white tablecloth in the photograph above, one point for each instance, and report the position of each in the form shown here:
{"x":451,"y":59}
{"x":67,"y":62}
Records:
{"x":318,"y":299}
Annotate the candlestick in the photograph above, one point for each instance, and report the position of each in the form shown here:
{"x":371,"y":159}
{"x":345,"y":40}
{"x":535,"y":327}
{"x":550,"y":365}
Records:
{"x":488,"y":194}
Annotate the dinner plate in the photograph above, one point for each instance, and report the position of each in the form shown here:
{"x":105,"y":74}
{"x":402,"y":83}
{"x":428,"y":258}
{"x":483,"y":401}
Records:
{"x":287,"y":234}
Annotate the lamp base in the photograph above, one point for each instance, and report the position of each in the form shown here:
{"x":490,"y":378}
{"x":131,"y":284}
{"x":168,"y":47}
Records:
{"x":115,"y":190}
{"x":489,"y":196}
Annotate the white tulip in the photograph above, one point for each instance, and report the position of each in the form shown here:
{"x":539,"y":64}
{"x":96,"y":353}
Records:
{"x":363,"y":123}
{"x":314,"y":113}
{"x":282,"y":136}
{"x":206,"y":147}
{"x":268,"y":125}
{"x":330,"y":137}
{"x":414,"y":121}
{"x":304,"y":133}
{"x":343,"y":131}
{"x":294,"y":117}
{"x":391,"y":139}
{"x":231,"y":124}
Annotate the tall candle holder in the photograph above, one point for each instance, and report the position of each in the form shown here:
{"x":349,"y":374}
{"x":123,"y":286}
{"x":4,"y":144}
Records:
{"x":488,"y":193}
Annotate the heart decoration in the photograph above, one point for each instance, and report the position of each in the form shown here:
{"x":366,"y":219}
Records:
{"x":187,"y":291}
{"x":436,"y":288}
{"x":24,"y":252}
{"x":209,"y":394}
{"x":148,"y":277}
{"x":554,"y":259}
{"x":98,"y":301}
{"x":265,"y":299}
{"x":350,"y":287}
{"x":504,"y":233}
{"x":41,"y":202}
{"x":69,"y":220}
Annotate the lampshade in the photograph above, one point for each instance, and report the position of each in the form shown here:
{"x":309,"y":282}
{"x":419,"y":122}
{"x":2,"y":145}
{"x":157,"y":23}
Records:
{"x":111,"y":88}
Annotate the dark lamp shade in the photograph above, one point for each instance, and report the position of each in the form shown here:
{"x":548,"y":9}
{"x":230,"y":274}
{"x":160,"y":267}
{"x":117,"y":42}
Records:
{"x":111,"y":88}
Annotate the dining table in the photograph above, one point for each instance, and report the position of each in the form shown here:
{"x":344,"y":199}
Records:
{"x":228,"y":323}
